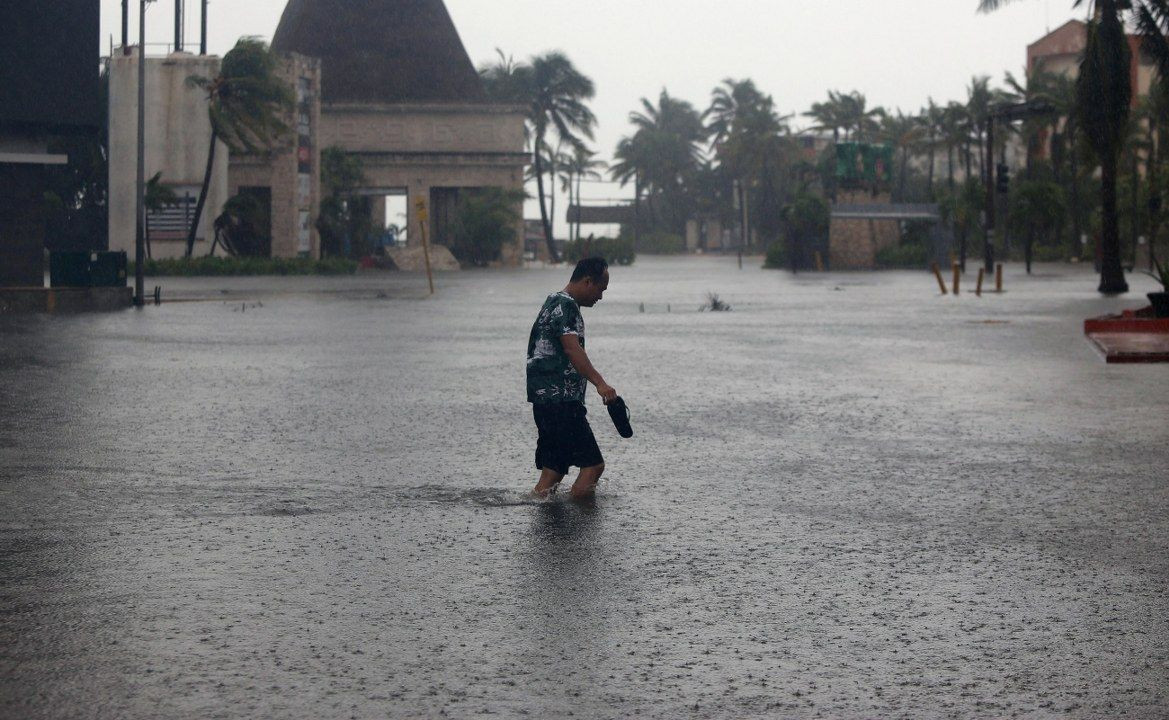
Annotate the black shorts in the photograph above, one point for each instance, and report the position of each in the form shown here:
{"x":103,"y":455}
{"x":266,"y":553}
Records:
{"x":565,"y":437}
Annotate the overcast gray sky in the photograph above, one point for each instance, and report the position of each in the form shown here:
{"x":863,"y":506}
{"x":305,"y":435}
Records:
{"x":897,"y":52}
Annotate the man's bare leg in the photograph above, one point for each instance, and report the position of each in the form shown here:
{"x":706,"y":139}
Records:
{"x":549,"y":479}
{"x":586,"y":482}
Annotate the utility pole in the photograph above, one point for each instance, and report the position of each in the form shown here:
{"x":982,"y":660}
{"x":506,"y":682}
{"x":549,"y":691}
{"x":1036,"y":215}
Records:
{"x":203,"y":28}
{"x":140,"y":214}
{"x":125,"y":27}
{"x":178,"y":25}
{"x":1007,"y":114}
{"x":988,"y":241}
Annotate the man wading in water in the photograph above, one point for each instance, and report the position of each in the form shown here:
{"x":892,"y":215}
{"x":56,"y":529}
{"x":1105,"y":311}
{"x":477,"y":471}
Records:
{"x":557,"y":370}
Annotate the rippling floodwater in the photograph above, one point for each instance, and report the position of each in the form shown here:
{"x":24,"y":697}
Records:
{"x":849,"y":497}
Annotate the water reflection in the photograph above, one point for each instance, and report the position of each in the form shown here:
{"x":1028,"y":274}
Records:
{"x":568,"y":572}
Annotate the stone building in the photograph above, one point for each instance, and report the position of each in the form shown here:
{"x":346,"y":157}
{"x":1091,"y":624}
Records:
{"x":178,"y":134}
{"x":286,"y":180}
{"x":399,"y":91}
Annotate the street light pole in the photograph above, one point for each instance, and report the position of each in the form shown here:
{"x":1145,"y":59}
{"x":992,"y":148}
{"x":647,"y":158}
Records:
{"x":140,"y":213}
{"x":988,"y":241}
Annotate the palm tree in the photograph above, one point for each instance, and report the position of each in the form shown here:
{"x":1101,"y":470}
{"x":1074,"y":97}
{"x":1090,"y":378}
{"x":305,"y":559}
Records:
{"x":827,"y":116}
{"x":751,"y":143}
{"x":903,"y":132}
{"x":1104,"y":93}
{"x":859,"y":121}
{"x":246,"y":102}
{"x":670,"y":136}
{"x":580,"y":166}
{"x":557,"y":102}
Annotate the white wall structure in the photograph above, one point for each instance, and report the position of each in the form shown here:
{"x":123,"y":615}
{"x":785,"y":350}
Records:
{"x":178,"y":133}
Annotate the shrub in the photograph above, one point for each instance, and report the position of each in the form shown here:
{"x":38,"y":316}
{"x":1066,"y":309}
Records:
{"x":485,"y":220}
{"x":617,"y":251}
{"x":903,"y":256}
{"x":661,"y":243}
{"x":776,"y":258}
{"x":223,"y":266}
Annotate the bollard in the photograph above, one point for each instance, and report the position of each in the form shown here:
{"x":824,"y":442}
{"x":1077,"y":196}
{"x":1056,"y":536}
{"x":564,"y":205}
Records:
{"x":998,"y":278}
{"x":157,"y":294}
{"x":957,"y":276}
{"x":978,"y":287}
{"x":819,"y":262}
{"x":938,"y":275}
{"x":641,"y":307}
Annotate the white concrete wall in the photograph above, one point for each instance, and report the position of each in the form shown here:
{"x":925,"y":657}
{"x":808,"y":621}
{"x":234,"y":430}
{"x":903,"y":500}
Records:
{"x":178,"y":132}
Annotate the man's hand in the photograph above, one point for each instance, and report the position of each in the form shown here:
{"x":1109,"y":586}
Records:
{"x":607,"y":393}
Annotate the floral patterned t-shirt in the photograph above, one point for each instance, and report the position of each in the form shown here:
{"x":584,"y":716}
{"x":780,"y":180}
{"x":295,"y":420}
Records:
{"x":551,"y":376}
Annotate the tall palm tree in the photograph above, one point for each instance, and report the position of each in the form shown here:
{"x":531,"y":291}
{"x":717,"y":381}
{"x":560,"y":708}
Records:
{"x":827,"y":116}
{"x":557,"y":103}
{"x":931,"y":118}
{"x":859,"y":121}
{"x":1104,"y":94}
{"x":903,"y":132}
{"x":580,"y":166}
{"x":247,"y":103}
{"x":672,"y":134}
{"x":750,"y":141}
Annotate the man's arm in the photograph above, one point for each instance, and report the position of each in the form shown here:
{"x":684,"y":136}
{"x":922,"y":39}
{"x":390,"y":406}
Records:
{"x":580,"y":360}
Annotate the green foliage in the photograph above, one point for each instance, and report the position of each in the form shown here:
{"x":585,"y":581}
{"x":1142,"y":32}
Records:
{"x":776,"y":258}
{"x":903,"y":256}
{"x":1036,"y":207}
{"x":221,"y":266}
{"x":486,"y":219}
{"x":807,"y":218}
{"x":1161,"y":274}
{"x":341,"y":173}
{"x":661,"y":243}
{"x":617,"y":251}
{"x":247,"y":100}
{"x":243,"y":225}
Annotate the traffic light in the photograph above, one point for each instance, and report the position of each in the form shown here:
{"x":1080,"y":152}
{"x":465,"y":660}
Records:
{"x":1004,"y":178}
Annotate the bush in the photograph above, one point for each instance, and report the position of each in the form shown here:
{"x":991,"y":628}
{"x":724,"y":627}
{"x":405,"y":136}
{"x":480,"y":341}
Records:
{"x":903,"y":256}
{"x":222,"y":266}
{"x":776,"y":258}
{"x":617,"y":251}
{"x":485,"y":220}
{"x":661,"y":243}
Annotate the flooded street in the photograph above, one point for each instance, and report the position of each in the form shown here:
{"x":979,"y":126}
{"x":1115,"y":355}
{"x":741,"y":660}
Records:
{"x":848,"y":497}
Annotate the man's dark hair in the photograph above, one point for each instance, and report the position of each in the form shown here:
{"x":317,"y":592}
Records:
{"x":593,"y":267}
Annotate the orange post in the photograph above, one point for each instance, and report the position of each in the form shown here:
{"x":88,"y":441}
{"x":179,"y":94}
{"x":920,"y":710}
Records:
{"x":978,"y":288}
{"x":938,"y":275}
{"x":998,"y":278}
{"x":957,"y":276}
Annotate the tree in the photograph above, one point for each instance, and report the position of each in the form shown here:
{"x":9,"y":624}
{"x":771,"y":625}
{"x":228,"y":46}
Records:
{"x":246,"y":103}
{"x":556,"y":95}
{"x":156,"y":197}
{"x":485,"y":220}
{"x":1103,"y":95}
{"x":672,"y":134}
{"x":752,"y":145}
{"x":904,"y":133}
{"x":341,"y":173}
{"x":1036,"y":209}
{"x":580,"y":166}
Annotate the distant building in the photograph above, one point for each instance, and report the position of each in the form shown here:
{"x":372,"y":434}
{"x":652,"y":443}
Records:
{"x":1060,"y":51}
{"x":387,"y":81}
{"x":399,"y":91}
{"x":178,"y":135}
{"x":49,"y":63}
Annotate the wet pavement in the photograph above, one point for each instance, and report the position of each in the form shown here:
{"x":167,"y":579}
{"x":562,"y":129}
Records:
{"x":849,"y":497}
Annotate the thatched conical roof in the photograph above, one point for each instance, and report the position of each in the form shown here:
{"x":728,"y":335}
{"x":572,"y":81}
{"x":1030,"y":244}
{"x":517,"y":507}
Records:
{"x":381,"y":51}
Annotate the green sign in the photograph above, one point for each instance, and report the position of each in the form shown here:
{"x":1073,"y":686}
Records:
{"x":864,"y":164}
